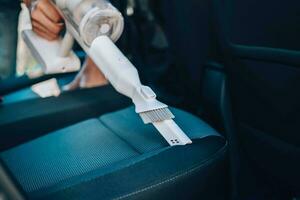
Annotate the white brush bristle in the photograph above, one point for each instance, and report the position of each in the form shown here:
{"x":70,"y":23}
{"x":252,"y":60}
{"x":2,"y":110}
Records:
{"x":157,"y":115}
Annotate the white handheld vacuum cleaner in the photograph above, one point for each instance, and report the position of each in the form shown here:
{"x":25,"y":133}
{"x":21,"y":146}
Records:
{"x":96,"y":25}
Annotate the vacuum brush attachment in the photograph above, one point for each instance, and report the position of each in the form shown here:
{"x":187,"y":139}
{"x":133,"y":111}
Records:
{"x":157,"y":115}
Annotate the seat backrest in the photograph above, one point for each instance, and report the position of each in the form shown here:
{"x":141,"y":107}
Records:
{"x":187,"y":27}
{"x":261,"y":45}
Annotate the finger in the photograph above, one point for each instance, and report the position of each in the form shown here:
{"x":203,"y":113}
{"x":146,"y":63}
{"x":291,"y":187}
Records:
{"x":39,"y":16}
{"x":50,"y":11}
{"x":44,"y":35}
{"x":40,"y":27}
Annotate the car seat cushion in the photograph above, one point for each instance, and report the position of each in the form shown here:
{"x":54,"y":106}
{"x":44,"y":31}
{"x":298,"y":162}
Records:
{"x":113,"y":156}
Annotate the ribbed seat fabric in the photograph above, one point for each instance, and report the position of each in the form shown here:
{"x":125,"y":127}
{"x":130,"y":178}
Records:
{"x":66,"y":153}
{"x":110,"y":157}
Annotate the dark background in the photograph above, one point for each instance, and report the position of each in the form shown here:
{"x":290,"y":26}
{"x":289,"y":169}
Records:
{"x":9,"y":10}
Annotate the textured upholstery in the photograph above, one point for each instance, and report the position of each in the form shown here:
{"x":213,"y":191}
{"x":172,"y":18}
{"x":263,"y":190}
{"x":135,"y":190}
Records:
{"x":72,"y":163}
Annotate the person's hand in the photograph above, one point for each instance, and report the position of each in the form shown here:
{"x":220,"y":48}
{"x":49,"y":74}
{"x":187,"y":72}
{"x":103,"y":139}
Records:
{"x":46,"y":20}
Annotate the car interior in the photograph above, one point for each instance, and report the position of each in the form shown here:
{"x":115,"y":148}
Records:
{"x":233,"y":85}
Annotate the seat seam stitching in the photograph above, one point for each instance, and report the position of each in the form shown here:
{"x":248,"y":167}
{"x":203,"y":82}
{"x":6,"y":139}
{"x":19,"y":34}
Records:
{"x":121,"y":138}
